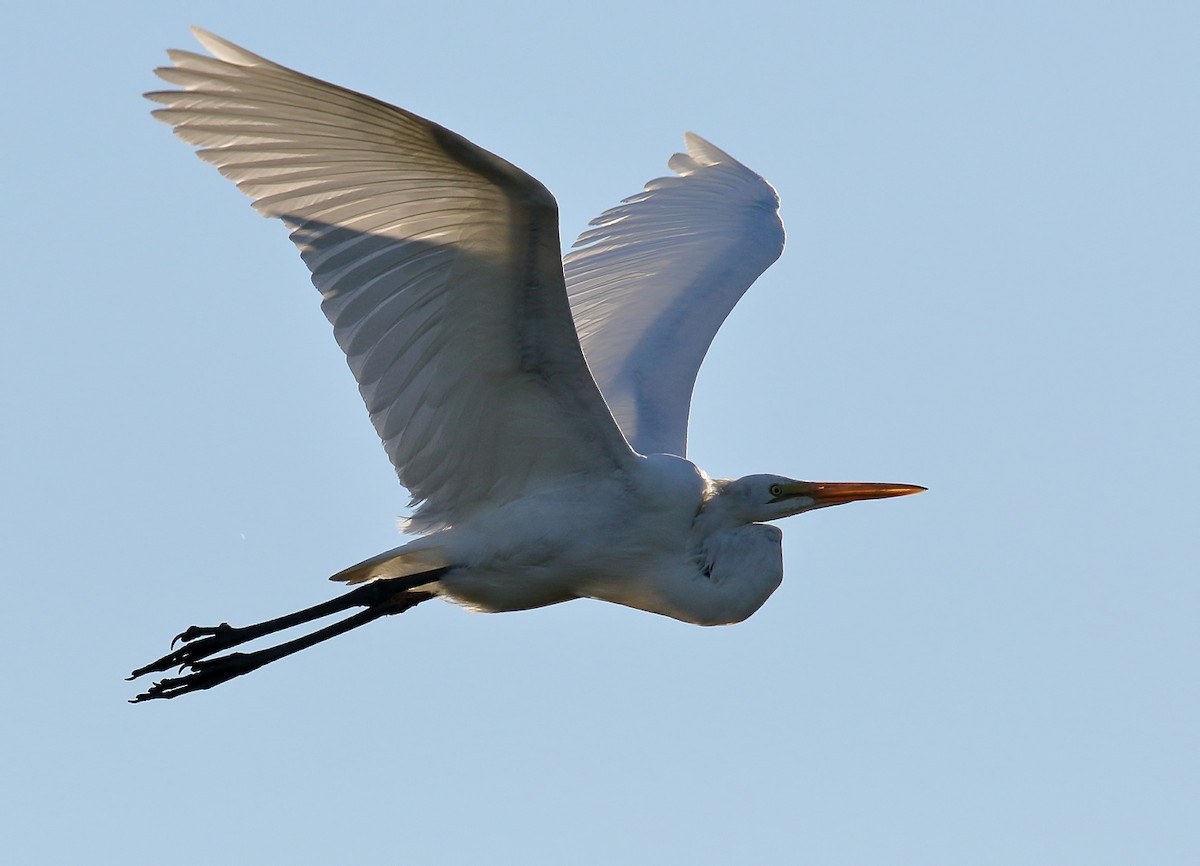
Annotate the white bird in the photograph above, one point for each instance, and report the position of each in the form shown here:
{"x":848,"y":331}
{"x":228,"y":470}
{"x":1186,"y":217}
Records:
{"x":537,"y":477}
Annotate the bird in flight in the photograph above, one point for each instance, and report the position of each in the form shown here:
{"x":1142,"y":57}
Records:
{"x":535,"y":406}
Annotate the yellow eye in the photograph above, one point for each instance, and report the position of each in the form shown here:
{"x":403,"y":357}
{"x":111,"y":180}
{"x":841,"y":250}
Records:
{"x":776,"y":490}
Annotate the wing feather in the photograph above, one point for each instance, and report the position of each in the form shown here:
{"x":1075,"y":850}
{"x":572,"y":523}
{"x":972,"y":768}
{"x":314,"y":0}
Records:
{"x":439,"y":268}
{"x":653,"y":279}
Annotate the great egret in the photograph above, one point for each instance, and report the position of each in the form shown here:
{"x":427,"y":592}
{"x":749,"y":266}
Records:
{"x":537,"y":477}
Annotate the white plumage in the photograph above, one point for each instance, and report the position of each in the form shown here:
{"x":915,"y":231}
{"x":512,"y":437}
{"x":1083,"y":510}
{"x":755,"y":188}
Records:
{"x":653,"y":279}
{"x":537,"y":477}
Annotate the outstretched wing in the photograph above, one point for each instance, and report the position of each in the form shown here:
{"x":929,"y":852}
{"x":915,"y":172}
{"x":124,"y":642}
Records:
{"x":440,"y":271}
{"x":655,"y":277}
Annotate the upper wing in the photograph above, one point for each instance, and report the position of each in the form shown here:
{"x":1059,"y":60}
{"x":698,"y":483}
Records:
{"x":653,"y":281}
{"x":439,"y":267}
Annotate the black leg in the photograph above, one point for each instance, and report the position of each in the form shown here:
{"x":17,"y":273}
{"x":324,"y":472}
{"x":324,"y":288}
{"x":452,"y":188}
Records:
{"x":207,"y":673}
{"x":380,"y":597}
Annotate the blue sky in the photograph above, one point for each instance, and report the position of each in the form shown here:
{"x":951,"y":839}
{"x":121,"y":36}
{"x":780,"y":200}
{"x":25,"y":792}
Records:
{"x":990,"y":288}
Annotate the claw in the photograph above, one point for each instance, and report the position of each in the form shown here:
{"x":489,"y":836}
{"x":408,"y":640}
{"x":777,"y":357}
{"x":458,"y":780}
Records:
{"x":205,"y":674}
{"x":195,"y":631}
{"x":197,"y":642}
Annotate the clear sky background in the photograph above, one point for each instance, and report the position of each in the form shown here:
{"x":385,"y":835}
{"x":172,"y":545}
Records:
{"x":990,"y":288}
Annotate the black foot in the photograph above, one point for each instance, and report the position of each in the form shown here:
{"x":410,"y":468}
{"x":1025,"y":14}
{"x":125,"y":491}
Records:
{"x":196,"y":631}
{"x":205,"y":674}
{"x":198,"y":642}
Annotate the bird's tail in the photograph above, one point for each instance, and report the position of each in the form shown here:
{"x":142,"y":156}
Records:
{"x":411,"y":559}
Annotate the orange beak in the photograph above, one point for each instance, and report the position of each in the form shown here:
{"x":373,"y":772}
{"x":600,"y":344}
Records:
{"x":837,"y":493}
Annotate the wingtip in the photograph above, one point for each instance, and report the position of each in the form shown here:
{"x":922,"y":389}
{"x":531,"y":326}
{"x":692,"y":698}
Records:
{"x":703,"y":150}
{"x":223,"y":49}
{"x":701,"y":154}
{"x":205,"y":37}
{"x":208,"y":40}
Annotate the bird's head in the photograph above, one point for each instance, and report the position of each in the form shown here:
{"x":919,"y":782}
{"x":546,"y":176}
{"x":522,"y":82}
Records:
{"x":757,"y":498}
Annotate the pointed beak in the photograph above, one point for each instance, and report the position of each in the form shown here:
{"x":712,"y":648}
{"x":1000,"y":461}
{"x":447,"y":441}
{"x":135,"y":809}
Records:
{"x":837,"y":493}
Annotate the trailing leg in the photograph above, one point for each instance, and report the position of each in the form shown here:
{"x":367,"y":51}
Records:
{"x":381,"y":598}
